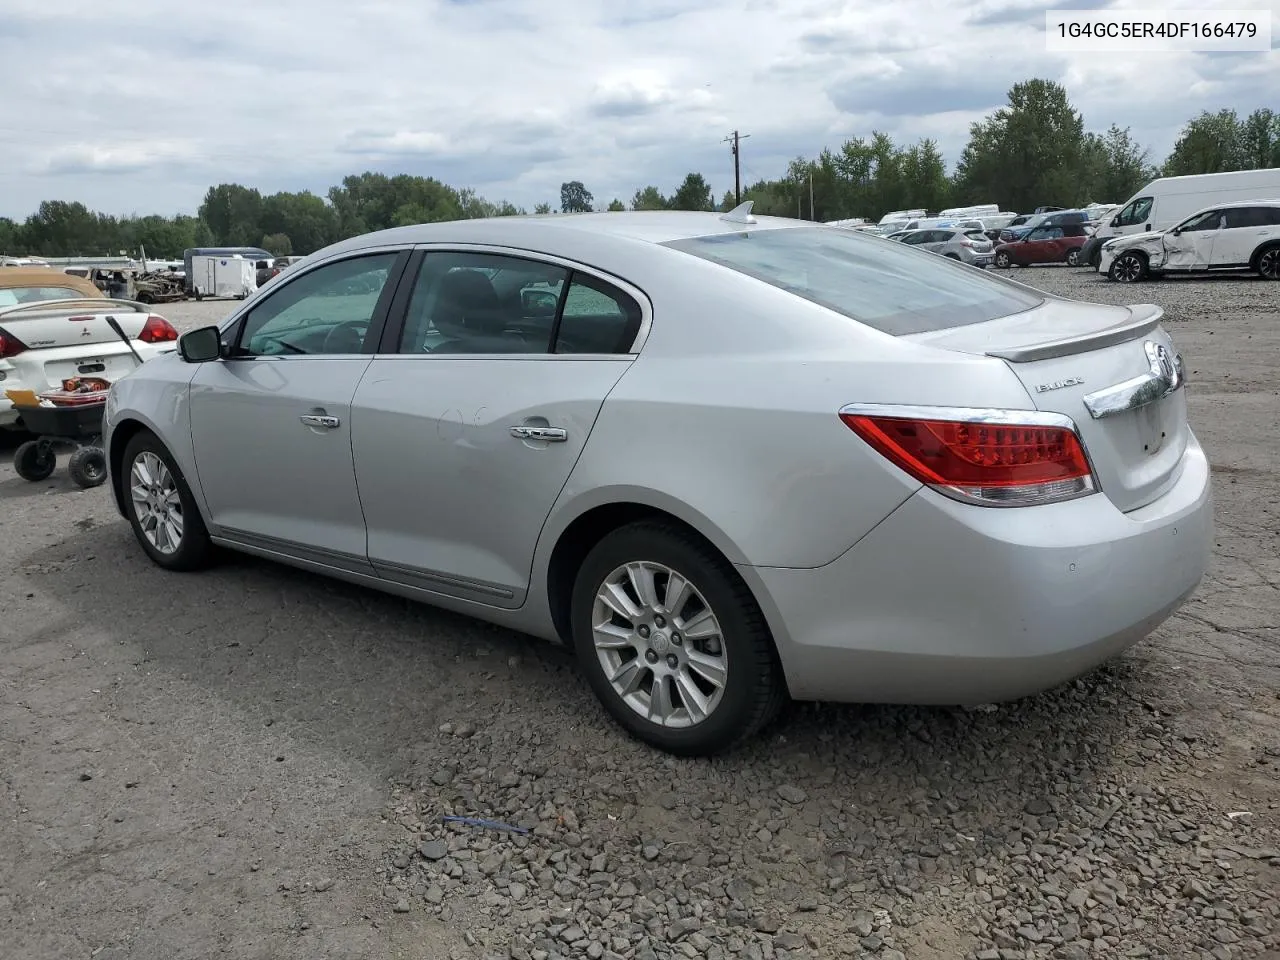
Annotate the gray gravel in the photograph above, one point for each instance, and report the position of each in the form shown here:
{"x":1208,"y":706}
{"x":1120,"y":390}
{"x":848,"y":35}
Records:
{"x":260,"y":766}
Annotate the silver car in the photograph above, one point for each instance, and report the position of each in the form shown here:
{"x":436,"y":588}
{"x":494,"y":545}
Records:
{"x":970,"y":246}
{"x":729,"y":460}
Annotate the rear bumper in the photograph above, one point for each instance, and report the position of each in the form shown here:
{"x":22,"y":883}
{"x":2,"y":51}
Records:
{"x":28,"y":372}
{"x":946,"y":603}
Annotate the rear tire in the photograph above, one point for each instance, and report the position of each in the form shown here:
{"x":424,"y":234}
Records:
{"x":161,"y":508}
{"x":1073,"y":258}
{"x":88,"y":467}
{"x":34,"y":462}
{"x":708,"y":690}
{"x":1269,"y":263}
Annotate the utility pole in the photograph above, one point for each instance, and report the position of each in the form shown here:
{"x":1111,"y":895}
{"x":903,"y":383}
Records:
{"x":737,"y":175}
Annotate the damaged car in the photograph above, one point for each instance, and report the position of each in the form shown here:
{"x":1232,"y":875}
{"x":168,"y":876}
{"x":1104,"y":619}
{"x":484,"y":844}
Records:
{"x":1229,"y":236}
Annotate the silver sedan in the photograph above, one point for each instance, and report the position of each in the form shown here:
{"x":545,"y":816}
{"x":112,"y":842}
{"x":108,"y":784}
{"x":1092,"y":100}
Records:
{"x":728,"y":459}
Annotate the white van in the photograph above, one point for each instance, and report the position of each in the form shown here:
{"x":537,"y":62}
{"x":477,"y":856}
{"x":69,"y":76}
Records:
{"x":978,"y":210}
{"x":1169,"y":200}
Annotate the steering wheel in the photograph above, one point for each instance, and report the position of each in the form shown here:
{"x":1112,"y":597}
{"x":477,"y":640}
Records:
{"x":346,"y":337}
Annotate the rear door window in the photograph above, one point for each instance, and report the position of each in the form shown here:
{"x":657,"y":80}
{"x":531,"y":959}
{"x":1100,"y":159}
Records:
{"x":879,"y":284}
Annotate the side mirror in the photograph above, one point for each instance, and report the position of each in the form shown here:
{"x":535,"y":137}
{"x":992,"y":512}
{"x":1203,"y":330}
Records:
{"x":1177,"y":231}
{"x":201,"y":346}
{"x":538,"y":303}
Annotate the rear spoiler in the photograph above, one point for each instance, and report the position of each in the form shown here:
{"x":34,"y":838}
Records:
{"x":1143,"y":318}
{"x":97,"y":305}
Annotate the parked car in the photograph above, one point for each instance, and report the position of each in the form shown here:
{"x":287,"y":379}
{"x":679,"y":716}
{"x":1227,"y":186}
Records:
{"x":948,"y":487}
{"x":266,"y":269}
{"x":1057,"y":218}
{"x":1044,"y":245}
{"x":969,"y":246}
{"x":53,"y":327}
{"x":1230,"y":236}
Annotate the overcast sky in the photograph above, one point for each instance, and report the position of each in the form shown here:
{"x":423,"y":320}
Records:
{"x":140,"y":106}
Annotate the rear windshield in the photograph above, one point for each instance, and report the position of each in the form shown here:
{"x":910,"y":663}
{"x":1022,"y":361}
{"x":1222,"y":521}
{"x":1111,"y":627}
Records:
{"x":886,"y":285}
{"x":12,"y":296}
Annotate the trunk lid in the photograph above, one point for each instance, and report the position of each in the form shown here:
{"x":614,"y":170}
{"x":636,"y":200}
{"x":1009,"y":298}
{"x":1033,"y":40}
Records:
{"x":1112,"y":370}
{"x":72,"y":323}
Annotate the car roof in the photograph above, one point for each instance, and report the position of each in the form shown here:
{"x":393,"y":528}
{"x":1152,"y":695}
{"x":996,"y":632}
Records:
{"x":11,"y":277}
{"x":651,"y":227}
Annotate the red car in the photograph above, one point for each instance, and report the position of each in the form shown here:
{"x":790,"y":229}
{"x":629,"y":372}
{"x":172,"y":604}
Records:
{"x":1057,"y":244}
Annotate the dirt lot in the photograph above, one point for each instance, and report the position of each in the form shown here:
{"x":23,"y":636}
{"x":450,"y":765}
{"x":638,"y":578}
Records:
{"x":254,"y":762}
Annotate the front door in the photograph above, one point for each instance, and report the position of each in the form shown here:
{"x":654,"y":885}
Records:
{"x":465,"y":436}
{"x":271,"y":423}
{"x":1189,"y":246}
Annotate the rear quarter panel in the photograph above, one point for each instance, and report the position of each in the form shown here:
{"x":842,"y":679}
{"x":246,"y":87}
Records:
{"x":729,"y":420}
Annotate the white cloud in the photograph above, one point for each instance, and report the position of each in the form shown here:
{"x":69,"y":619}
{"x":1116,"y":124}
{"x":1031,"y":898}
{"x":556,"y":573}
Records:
{"x":142,"y":106}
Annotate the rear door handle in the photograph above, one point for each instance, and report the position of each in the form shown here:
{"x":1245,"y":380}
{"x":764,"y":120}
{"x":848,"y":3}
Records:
{"x":317,"y":420}
{"x":550,"y":434}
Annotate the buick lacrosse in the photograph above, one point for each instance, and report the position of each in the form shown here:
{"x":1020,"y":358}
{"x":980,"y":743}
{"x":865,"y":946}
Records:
{"x":728,"y":459}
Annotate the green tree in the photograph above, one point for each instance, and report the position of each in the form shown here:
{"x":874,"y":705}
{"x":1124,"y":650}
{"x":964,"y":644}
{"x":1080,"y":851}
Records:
{"x":1210,"y":143}
{"x":574,"y":197}
{"x":1028,"y":153}
{"x":923,"y":175}
{"x":1260,"y":139}
{"x":649,"y":198}
{"x":542,"y":208}
{"x":1116,"y":165}
{"x":10,"y":236}
{"x":694,"y":193}
{"x":233,"y":213}
{"x":616,"y":206}
{"x":277,"y":244}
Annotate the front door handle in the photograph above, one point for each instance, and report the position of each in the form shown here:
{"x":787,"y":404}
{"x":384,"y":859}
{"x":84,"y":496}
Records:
{"x":318,"y":420}
{"x":550,"y":434}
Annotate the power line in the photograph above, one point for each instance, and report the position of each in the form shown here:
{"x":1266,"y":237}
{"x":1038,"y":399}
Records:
{"x":737,"y":172}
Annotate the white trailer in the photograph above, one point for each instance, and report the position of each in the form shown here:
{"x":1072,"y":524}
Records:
{"x":226,"y":276}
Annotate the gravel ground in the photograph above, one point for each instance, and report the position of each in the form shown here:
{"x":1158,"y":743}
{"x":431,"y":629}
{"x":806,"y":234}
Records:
{"x":254,"y":762}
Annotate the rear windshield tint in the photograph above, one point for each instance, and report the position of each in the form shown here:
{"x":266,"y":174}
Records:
{"x":886,"y":285}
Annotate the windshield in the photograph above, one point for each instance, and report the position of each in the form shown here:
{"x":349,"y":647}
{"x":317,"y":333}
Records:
{"x":888,"y":286}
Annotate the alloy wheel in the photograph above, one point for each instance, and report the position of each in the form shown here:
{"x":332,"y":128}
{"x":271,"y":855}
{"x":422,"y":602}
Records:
{"x":1269,"y":263}
{"x":1128,"y":268}
{"x":156,"y":502}
{"x":659,"y":644}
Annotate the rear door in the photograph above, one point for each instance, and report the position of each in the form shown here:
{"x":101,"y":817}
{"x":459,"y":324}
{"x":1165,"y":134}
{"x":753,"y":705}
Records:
{"x":472,"y":416}
{"x":1246,"y":229}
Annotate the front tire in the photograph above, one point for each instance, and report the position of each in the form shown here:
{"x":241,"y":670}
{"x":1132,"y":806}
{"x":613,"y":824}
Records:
{"x":160,"y":507}
{"x":1002,"y":261}
{"x":672,"y":641}
{"x":1128,"y":268}
{"x":34,"y":461}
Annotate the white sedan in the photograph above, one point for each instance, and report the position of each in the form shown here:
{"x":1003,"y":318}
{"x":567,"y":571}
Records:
{"x":727,"y":459}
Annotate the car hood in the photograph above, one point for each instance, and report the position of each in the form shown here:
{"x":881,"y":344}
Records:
{"x":1134,"y":240}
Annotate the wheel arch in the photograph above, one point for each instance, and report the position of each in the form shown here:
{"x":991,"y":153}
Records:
{"x":121,"y":434}
{"x":588,"y":522}
{"x":1262,"y":248}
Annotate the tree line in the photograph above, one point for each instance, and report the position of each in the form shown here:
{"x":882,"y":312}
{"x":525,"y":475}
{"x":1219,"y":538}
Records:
{"x":1033,"y":151}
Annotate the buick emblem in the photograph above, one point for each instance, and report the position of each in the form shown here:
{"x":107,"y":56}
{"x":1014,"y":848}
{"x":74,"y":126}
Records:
{"x":1164,"y":364}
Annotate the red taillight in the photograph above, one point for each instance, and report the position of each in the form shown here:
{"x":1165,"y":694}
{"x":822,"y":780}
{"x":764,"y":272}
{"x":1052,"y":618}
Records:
{"x":1011,"y":460}
{"x":157,"y":330}
{"x":10,"y":346}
